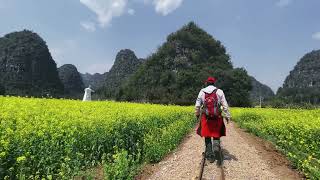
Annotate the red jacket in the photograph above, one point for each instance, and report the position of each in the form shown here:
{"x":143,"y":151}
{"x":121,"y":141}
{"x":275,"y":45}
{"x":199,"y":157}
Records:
{"x":212,"y":128}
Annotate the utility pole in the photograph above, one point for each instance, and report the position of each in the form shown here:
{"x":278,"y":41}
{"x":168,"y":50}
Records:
{"x":260,"y":98}
{"x":260,"y":101}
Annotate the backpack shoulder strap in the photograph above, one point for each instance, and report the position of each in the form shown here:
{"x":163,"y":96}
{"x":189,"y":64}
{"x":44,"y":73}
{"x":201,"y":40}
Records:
{"x":214,"y":91}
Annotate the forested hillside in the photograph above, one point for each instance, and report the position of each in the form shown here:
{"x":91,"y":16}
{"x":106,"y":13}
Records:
{"x":72,"y":81}
{"x":26,"y":66}
{"x":259,"y":92}
{"x":96,"y":80}
{"x":302,"y":85}
{"x":176,"y":72}
{"x":125,"y":64}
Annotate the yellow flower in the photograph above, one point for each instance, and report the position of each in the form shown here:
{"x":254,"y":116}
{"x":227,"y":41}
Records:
{"x":21,"y":159}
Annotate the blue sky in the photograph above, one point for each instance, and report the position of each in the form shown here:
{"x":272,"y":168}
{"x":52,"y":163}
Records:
{"x":267,"y":37}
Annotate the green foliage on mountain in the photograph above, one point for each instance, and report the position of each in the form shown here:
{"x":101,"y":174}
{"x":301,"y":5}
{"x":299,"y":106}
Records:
{"x":302,"y":85}
{"x":72,"y":81}
{"x":2,"y":90}
{"x":96,"y":80}
{"x":172,"y":75}
{"x":176,"y":72}
{"x":26,"y":66}
{"x":258,"y":91}
{"x":126,"y":63}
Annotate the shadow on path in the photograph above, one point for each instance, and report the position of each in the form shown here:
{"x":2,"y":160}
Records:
{"x":227,"y":156}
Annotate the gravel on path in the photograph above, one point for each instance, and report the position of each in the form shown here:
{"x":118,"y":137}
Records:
{"x":245,"y":157}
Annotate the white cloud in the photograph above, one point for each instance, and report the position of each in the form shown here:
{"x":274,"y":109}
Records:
{"x":131,"y":11}
{"x":316,"y":36}
{"x":142,"y":1}
{"x":165,"y":7}
{"x":283,"y":3}
{"x":106,"y":9}
{"x":88,"y":26}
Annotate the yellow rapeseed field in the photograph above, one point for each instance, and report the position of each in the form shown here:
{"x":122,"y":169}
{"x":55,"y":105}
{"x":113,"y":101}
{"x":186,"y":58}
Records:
{"x":47,"y":138}
{"x":60,"y":139}
{"x":295,"y":132}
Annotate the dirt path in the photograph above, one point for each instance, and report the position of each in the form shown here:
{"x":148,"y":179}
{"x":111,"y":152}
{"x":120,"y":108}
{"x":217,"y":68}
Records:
{"x":245,"y":157}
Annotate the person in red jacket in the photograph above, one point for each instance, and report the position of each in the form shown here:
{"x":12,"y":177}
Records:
{"x":210,"y":104}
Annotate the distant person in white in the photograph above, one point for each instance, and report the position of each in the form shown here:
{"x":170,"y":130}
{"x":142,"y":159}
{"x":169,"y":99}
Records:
{"x":87,"y":93}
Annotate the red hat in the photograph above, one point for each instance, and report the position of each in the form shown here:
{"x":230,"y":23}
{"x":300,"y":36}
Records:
{"x":211,"y":80}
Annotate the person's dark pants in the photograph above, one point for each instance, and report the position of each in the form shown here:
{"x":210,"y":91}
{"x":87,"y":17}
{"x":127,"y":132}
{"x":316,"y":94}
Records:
{"x":212,"y":147}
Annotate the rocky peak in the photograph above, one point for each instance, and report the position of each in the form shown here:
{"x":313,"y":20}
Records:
{"x":258,"y":91}
{"x":175,"y":73}
{"x":125,"y":62}
{"x":71,"y":79}
{"x":306,"y":73}
{"x":26,"y":65}
{"x":95,"y":80}
{"x":303,"y":82}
